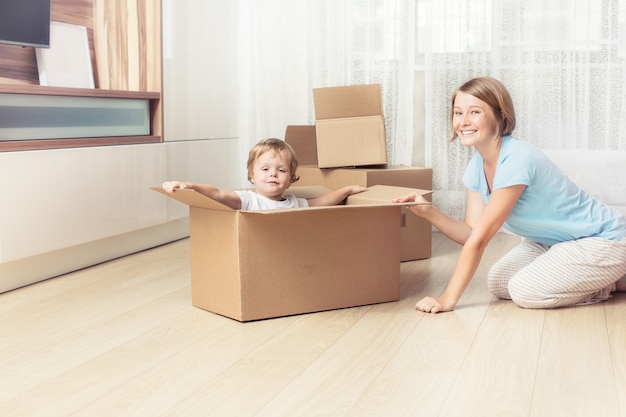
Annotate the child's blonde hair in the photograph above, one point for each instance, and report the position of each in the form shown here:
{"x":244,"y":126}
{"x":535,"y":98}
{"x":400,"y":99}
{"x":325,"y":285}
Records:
{"x":279,"y":147}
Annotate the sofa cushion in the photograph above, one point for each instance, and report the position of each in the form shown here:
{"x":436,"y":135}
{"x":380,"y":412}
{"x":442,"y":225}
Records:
{"x":601,"y":173}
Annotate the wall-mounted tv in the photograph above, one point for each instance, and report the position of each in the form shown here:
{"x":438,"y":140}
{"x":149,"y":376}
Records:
{"x":25,"y":22}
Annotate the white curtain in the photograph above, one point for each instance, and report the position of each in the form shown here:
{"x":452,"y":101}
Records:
{"x":562,"y":61}
{"x":289,"y":47}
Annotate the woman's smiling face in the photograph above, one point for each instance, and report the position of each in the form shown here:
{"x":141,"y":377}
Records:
{"x":473,"y":120}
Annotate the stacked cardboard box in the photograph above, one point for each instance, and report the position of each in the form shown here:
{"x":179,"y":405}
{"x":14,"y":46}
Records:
{"x":347,"y":146}
{"x":350,"y":126}
{"x":415,"y":231}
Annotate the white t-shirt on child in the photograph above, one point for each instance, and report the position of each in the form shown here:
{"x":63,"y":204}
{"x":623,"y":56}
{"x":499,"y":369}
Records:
{"x":253,"y":201}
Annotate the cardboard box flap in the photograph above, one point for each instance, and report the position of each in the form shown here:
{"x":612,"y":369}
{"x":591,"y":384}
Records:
{"x":303,"y":141}
{"x":396,"y":175}
{"x":348,"y":101}
{"x":194,"y":199}
{"x":384,"y":194}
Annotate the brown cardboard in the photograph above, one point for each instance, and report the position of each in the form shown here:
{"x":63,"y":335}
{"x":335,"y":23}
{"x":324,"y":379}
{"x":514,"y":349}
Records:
{"x":302,"y":140}
{"x":351,"y":141}
{"x":415,"y":232}
{"x":416,"y":236}
{"x":384,"y":194}
{"x":251,"y":265}
{"x":348,"y":101}
{"x":350,"y":126}
{"x":395,"y":175}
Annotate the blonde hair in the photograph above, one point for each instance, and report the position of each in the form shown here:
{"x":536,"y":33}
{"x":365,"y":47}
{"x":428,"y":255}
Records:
{"x":279,"y":147}
{"x":492,"y":92}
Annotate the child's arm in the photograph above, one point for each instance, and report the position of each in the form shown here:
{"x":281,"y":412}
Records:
{"x":228,"y":198}
{"x":337,"y":196}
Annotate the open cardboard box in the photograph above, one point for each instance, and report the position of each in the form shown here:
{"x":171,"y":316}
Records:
{"x":251,"y":265}
{"x":350,"y":126}
{"x":416,"y":242}
{"x":415,"y":232}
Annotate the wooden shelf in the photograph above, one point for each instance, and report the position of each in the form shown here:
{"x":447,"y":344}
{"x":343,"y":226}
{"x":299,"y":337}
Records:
{"x":76,"y":92}
{"x":56,"y":143}
{"x":125,"y":48}
{"x":42,"y":144}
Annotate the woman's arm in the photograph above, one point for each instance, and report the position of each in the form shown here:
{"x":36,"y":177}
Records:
{"x":486,"y":226}
{"x":335,"y":197}
{"x":455,"y":230}
{"x":228,"y":198}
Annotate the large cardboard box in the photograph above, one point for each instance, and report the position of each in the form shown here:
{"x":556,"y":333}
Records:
{"x":416,"y":236}
{"x":251,"y":265}
{"x":302,"y":140}
{"x":415,"y":232}
{"x":395,"y":175}
{"x":350,"y":126}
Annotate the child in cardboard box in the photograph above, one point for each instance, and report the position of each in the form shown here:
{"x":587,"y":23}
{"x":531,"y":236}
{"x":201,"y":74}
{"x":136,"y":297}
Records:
{"x":272,"y":166}
{"x":573,"y":248}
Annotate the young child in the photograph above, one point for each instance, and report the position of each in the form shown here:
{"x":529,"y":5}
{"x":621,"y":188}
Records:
{"x":272,"y":165}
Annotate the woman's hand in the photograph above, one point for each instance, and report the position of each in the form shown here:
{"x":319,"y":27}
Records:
{"x":422,"y":209}
{"x":435,"y":304}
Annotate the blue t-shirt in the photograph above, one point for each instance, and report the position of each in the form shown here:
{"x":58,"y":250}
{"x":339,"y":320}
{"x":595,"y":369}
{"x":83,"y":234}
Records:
{"x":552,"y":208}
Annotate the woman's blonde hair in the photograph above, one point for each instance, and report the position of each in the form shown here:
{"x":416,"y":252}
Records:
{"x":279,"y":147}
{"x":492,"y":92}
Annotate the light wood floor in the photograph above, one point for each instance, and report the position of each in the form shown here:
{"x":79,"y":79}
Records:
{"x":122,"y":339}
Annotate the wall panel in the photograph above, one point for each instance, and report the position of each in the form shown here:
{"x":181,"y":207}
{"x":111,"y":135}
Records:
{"x":18,"y":64}
{"x":200,"y":69}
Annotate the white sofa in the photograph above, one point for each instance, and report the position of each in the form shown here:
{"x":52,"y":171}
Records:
{"x":601,"y":173}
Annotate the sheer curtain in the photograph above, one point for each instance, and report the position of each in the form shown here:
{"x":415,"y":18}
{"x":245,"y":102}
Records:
{"x":563,"y":63}
{"x":289,"y":47}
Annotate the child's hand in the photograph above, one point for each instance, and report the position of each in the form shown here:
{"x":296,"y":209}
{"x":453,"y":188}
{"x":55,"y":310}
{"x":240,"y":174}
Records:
{"x":355,"y":189}
{"x":171,"y":186}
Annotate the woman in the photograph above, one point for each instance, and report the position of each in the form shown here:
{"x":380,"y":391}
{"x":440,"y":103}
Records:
{"x":573,"y":248}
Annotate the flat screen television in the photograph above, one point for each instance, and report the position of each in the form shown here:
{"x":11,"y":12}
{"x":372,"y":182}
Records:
{"x":25,"y":22}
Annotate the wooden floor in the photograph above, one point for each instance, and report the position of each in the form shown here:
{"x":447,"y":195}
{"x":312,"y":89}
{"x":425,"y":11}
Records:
{"x":122,"y":339}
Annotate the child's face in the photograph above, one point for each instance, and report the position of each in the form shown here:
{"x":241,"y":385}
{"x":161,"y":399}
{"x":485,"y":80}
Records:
{"x":271,"y":175}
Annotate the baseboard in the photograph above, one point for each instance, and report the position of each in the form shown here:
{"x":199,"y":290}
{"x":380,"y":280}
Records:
{"x":26,"y":271}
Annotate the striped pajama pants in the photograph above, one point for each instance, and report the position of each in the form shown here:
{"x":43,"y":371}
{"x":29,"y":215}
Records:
{"x":570,"y":273}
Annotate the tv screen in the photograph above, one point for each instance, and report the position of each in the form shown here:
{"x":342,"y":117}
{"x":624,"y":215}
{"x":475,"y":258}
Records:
{"x":25,"y":22}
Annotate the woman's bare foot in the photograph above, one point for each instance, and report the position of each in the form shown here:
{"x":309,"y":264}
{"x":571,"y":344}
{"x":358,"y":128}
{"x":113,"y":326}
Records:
{"x":621,"y":284}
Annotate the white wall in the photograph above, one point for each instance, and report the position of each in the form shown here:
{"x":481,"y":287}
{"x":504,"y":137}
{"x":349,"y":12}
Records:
{"x":63,"y":210}
{"x":200,"y":62}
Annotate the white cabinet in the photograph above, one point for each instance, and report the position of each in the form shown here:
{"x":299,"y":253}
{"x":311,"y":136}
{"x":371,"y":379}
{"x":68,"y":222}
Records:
{"x":71,"y":208}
